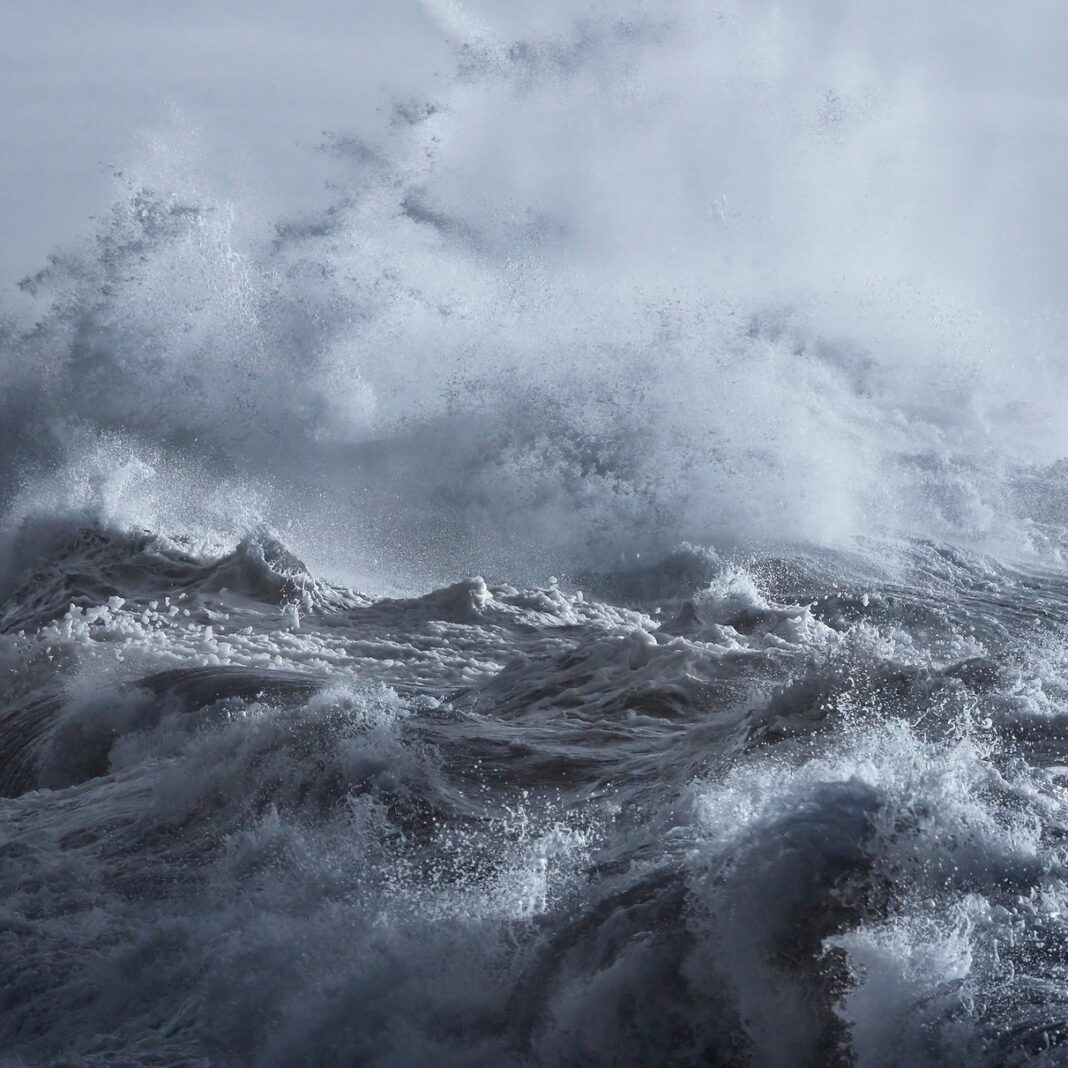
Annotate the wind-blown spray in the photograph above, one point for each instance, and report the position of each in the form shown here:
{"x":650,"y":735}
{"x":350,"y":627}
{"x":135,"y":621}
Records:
{"x":717,"y":315}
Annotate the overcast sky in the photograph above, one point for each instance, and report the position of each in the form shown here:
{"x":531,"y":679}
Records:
{"x":79,"y":80}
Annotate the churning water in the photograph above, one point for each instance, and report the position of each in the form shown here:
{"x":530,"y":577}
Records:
{"x":725,"y":343}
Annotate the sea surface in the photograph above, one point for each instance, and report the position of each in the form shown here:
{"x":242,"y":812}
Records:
{"x":592,"y":591}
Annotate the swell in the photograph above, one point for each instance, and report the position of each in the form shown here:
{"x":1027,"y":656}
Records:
{"x":741,"y":827}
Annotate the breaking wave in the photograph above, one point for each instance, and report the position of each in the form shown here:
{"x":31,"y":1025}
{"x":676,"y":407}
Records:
{"x":742,"y":741}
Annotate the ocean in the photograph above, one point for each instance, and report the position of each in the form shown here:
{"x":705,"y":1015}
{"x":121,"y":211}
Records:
{"x":591,"y":591}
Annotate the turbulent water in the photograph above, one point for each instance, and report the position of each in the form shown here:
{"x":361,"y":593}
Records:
{"x":725,"y":348}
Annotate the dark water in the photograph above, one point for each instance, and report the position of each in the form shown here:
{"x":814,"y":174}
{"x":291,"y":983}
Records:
{"x":724,"y":343}
{"x":782,"y":810}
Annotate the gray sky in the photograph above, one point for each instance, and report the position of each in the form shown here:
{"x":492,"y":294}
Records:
{"x":79,"y":80}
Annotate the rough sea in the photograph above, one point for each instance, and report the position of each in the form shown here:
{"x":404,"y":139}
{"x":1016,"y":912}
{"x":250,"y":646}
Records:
{"x":593,"y":592}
